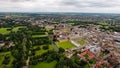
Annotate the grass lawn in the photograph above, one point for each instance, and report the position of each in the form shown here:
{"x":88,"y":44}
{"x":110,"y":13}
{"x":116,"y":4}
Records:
{"x":48,"y":29}
{"x":5,"y":31}
{"x":11,"y":60}
{"x":65,"y":44}
{"x":46,"y":65}
{"x":2,"y":54}
{"x":86,"y":66}
{"x":41,"y":51}
{"x":35,"y":36}
{"x":1,"y":60}
{"x":81,"y":42}
{"x":17,"y":28}
{"x":103,"y":23}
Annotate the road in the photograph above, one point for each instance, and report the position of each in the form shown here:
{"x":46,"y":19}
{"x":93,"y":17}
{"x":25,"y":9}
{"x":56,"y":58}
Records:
{"x":55,"y":46}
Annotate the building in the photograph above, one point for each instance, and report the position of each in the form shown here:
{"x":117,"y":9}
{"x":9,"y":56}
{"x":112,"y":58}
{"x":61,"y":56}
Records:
{"x":87,"y":52}
{"x":2,"y":44}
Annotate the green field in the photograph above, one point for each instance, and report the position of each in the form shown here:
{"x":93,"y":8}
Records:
{"x":5,"y":31}
{"x":65,"y":44}
{"x":2,"y":58}
{"x":36,"y":36}
{"x":48,"y":29}
{"x":41,"y":51}
{"x":40,"y":35}
{"x":81,"y":42}
{"x":17,"y":28}
{"x":103,"y":24}
{"x":46,"y":65}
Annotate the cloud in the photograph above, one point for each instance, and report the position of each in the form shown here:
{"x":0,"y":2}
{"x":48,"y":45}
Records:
{"x":16,"y":0}
{"x":112,"y":6}
{"x":90,"y":3}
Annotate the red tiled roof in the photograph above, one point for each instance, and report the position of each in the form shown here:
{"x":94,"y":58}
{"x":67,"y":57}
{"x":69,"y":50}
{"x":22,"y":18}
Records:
{"x":90,"y":54}
{"x":98,"y":65}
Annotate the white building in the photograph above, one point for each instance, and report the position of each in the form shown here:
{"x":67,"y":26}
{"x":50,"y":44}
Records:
{"x":1,"y":44}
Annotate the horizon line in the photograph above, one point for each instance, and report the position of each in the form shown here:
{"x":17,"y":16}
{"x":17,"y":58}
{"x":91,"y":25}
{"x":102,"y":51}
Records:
{"x":63,"y":12}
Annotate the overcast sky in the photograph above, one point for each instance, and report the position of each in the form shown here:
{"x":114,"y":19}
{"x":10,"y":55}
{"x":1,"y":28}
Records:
{"x":99,"y":6}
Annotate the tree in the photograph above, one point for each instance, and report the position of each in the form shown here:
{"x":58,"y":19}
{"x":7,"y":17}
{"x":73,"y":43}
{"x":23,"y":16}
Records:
{"x":6,"y":59}
{"x":61,"y":50}
{"x":45,"y":47}
{"x":49,"y":58}
{"x":4,"y":49}
{"x":22,"y":48}
{"x":16,"y":54}
{"x":2,"y":37}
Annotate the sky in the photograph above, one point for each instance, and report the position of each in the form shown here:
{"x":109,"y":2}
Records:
{"x":91,"y":6}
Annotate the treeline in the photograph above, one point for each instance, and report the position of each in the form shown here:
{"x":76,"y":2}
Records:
{"x":40,"y":41}
{"x":22,"y":48}
{"x":80,"y":22}
{"x":110,"y":28}
{"x":36,"y":28}
{"x":38,"y":33}
{"x":12,"y":23}
{"x":62,"y":60}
